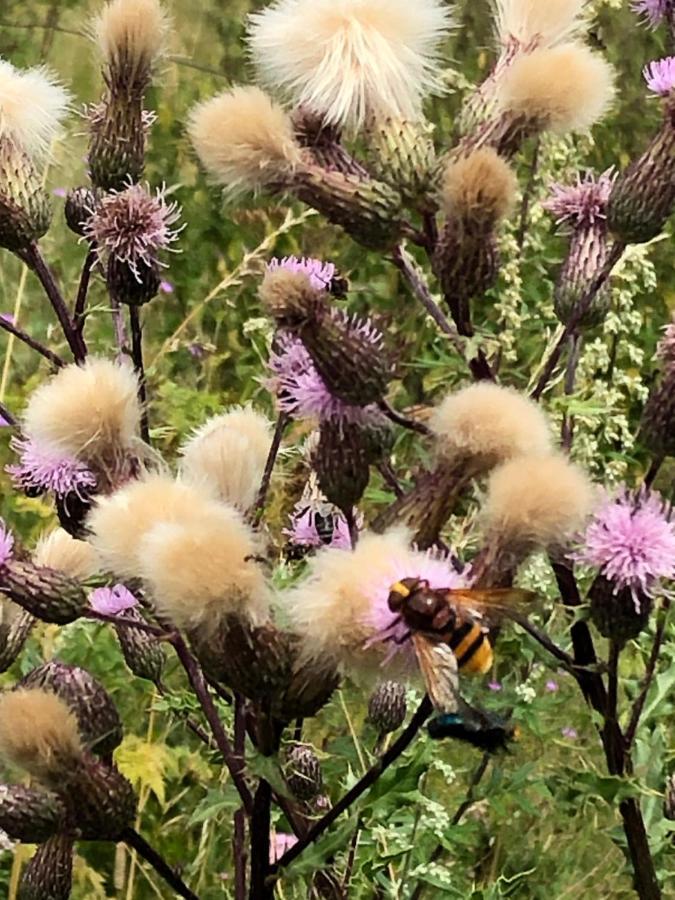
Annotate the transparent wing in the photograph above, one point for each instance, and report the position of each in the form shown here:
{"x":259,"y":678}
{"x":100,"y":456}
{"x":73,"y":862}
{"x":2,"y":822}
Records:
{"x":438,"y":665}
{"x":507,"y":602}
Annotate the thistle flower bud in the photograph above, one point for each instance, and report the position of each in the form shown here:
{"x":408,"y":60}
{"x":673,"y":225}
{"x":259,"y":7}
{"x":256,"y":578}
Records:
{"x":46,"y":593}
{"x":142,"y":652}
{"x":387,"y":707}
{"x":80,"y":207}
{"x":346,"y":350}
{"x":97,"y":717}
{"x":130,"y":35}
{"x":228,"y":455}
{"x":133,"y":289}
{"x":342,"y":463}
{"x":618,"y":613}
{"x":367,"y":209}
{"x":15,"y":626}
{"x":49,"y":873}
{"x":581,"y":209}
{"x":404,"y":157}
{"x":323,"y":140}
{"x":32,"y":106}
{"x":106,"y":803}
{"x":39,"y":733}
{"x":29,"y":815}
{"x":303,"y":772}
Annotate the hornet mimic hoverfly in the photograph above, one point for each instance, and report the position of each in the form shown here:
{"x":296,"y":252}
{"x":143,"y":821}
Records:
{"x":449,"y":631}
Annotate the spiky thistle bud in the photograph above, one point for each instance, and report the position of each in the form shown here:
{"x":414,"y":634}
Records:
{"x":581,"y":209}
{"x":404,"y":157}
{"x":46,"y":593}
{"x":303,"y":772}
{"x":15,"y":626}
{"x":658,"y":417}
{"x":30,"y":815}
{"x":618,"y":613}
{"x":342,"y":462}
{"x":79,"y":208}
{"x":32,"y":106}
{"x":142,"y":652}
{"x":97,"y":717}
{"x":49,"y":873}
{"x":130,"y":35}
{"x":346,"y":350}
{"x":643,"y":196}
{"x":387,"y":707}
{"x":478,"y":191}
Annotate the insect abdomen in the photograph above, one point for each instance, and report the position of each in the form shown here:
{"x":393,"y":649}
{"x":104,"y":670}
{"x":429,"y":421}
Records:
{"x":472,"y":649}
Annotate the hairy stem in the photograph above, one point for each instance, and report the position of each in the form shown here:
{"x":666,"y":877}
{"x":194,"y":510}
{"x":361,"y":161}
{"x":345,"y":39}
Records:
{"x":23,"y":336}
{"x":136,"y":842}
{"x":259,"y":508}
{"x":400,"y":744}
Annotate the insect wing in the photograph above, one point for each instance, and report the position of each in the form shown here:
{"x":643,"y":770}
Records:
{"x":505,"y":601}
{"x":438,"y":665}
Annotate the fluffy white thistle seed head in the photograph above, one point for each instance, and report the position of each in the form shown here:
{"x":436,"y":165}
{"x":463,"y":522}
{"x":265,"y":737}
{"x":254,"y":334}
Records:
{"x":58,"y":550}
{"x":32,"y":107}
{"x":350,"y":60}
{"x":90,"y":411}
{"x":541,"y":22}
{"x":131,"y":35}
{"x":228,"y":455}
{"x":566,"y":88}
{"x":491,"y":422}
{"x":481,"y":186}
{"x":244,"y":140}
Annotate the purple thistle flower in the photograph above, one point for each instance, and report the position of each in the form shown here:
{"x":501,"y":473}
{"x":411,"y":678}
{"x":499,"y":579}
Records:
{"x":319,"y":273}
{"x":301,"y":391}
{"x":111,"y":601}
{"x":317,"y":523}
{"x":45,"y":470}
{"x":660,"y":76}
{"x":552,"y":686}
{"x":654,"y":11}
{"x":166,"y":287}
{"x":583,"y":203}
{"x":570,"y":733}
{"x":494,"y":686}
{"x":631,"y":541}
{"x":134,"y":226}
{"x":666,"y":347}
{"x":6,"y":544}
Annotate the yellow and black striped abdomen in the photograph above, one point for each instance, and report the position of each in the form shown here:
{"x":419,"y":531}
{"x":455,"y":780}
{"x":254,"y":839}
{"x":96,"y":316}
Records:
{"x":472,"y":648}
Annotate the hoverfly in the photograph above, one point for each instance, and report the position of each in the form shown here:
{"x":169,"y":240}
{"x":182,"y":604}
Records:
{"x":449,"y":632}
{"x":484,"y":730}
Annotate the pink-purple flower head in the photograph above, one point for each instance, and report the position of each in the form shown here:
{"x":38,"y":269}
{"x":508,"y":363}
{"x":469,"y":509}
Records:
{"x":40,"y":470}
{"x":111,"y":601}
{"x":301,"y":391}
{"x":631,"y":541}
{"x":134,"y":226}
{"x":654,"y":11}
{"x":581,"y":204}
{"x":6,"y":544}
{"x":660,"y":76}
{"x":320,"y":273}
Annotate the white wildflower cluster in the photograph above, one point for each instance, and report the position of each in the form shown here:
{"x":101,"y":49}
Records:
{"x":526,"y":692}
{"x":445,"y":769}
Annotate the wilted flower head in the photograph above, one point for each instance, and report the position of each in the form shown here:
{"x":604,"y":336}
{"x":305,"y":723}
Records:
{"x":134,"y":226}
{"x":6,"y":544}
{"x":654,"y":11}
{"x":351,"y":59}
{"x":41,"y":469}
{"x":341,"y":607}
{"x":32,"y":106}
{"x":660,"y":76}
{"x":319,"y":273}
{"x":583,"y":203}
{"x":301,"y":391}
{"x":631,"y":541}
{"x":112,"y":600}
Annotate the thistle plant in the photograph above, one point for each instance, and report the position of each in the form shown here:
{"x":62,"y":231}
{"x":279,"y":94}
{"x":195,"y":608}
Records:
{"x":430,"y":484}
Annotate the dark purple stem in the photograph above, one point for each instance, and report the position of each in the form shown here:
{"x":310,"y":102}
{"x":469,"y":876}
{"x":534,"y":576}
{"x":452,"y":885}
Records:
{"x":83,"y":289}
{"x":650,"y":671}
{"x":397,"y":748}
{"x":25,"y":338}
{"x":399,"y":419}
{"x":36,"y":261}
{"x":259,"y":508}
{"x":262,"y":887}
{"x":120,"y":621}
{"x":7,"y":416}
{"x":137,"y":356}
{"x":239,"y":837}
{"x":138,"y":843}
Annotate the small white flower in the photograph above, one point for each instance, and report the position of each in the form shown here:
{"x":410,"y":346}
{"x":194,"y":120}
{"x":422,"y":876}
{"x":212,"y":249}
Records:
{"x":526,"y":692}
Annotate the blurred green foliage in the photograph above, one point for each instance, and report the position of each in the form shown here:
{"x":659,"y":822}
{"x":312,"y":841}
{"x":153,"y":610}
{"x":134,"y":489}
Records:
{"x":543,"y":825}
